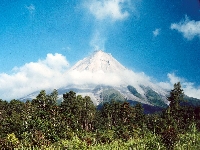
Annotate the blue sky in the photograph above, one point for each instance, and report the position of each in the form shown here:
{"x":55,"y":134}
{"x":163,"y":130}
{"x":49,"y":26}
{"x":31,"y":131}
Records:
{"x":159,"y":37}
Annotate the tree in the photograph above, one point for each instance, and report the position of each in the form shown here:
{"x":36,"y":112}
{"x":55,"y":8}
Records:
{"x":139,"y":115}
{"x":173,"y":116}
{"x":70,"y":109}
{"x":173,"y":113}
{"x":176,"y":96}
{"x":87,"y":112}
{"x":40,"y":100}
{"x":52,"y":98}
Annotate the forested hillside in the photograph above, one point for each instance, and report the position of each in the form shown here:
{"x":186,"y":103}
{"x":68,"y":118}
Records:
{"x":76,"y":123}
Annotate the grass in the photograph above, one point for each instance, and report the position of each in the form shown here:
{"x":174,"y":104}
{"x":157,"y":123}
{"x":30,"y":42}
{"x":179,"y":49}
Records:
{"x":189,"y":141}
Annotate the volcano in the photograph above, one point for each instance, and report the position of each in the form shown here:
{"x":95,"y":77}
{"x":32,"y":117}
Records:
{"x":99,"y":61}
{"x":103,"y":78}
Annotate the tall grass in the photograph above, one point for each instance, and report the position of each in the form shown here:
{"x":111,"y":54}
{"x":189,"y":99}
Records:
{"x":187,"y":141}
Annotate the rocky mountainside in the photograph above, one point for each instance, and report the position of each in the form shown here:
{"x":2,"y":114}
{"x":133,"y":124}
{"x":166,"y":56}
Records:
{"x":103,"y":78}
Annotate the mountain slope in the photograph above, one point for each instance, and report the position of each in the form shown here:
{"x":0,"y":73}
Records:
{"x":103,"y":78}
{"x":99,"y":61}
{"x":100,"y":71}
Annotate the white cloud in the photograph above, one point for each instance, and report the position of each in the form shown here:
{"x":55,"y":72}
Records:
{"x":66,"y":48}
{"x":156,"y":32}
{"x":53,"y":72}
{"x":113,"y":9}
{"x":188,"y":87}
{"x":189,"y":28}
{"x":126,"y":77}
{"x":109,"y":11}
{"x":129,"y":77}
{"x":31,"y":8}
{"x":33,"y":76}
{"x":108,"y":78}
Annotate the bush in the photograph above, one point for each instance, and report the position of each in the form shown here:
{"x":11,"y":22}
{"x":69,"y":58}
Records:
{"x":106,"y":136}
{"x":10,"y":142}
{"x":170,"y":137}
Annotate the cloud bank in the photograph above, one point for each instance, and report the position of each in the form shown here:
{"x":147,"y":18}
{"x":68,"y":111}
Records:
{"x":111,"y":9}
{"x":188,"y":87}
{"x":53,"y":72}
{"x":125,"y":77}
{"x":189,"y":28}
{"x":33,"y":76}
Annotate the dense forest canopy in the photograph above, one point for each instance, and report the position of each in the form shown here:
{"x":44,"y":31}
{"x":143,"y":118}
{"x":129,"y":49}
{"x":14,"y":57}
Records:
{"x":44,"y":122}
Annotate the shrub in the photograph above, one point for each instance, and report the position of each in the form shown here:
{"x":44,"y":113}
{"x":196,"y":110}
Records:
{"x":10,"y":142}
{"x":170,"y":137}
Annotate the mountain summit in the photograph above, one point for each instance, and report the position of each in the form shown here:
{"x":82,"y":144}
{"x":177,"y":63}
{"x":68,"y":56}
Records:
{"x":102,"y":68}
{"x":100,"y":75}
{"x":99,"y":61}
{"x":103,"y":78}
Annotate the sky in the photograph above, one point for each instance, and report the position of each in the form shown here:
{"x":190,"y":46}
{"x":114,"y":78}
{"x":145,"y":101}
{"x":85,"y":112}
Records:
{"x":40,"y":40}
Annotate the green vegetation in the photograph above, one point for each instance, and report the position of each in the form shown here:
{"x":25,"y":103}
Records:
{"x":134,"y":91}
{"x":154,"y":98}
{"x":111,"y":94}
{"x":191,"y":101}
{"x":75,"y":123}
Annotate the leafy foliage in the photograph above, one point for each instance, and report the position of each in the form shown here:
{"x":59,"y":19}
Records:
{"x":75,"y":123}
